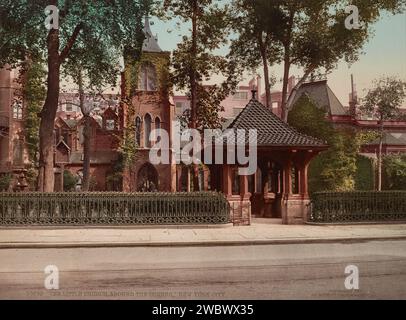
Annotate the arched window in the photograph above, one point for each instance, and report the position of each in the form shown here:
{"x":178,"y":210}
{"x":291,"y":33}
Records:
{"x":147,"y":130}
{"x":17,"y":110}
{"x":147,"y":78}
{"x":138,"y":131}
{"x":158,"y":127}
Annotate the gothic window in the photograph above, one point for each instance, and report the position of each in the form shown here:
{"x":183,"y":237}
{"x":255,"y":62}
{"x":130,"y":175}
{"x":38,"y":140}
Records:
{"x":158,"y":127}
{"x":110,"y":124}
{"x":138,"y":131}
{"x":147,"y":130}
{"x":17,"y":111}
{"x":147,"y":78}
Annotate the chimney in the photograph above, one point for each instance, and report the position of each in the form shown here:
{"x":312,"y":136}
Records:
{"x":291,"y":84}
{"x":254,"y":93}
{"x":259,"y":85}
{"x":353,"y":99}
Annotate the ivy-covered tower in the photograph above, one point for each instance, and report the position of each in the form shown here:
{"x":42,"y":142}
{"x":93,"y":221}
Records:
{"x":147,"y":107}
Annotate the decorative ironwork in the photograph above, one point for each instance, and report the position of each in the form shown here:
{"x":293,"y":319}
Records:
{"x":342,"y":207}
{"x":113,"y":208}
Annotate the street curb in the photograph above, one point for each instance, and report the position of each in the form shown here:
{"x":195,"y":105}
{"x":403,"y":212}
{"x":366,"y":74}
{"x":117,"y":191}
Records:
{"x":67,"y":245}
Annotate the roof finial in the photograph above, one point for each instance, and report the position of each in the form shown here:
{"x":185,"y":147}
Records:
{"x":254,"y":92}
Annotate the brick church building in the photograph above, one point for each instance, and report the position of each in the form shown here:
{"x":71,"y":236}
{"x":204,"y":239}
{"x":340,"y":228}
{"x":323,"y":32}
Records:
{"x":277,"y":189}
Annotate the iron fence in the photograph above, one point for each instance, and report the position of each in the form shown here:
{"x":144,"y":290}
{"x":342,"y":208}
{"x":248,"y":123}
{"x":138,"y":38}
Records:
{"x":360,"y":206}
{"x":113,"y":208}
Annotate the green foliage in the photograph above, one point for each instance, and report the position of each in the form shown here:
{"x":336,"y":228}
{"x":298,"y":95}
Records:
{"x":69,"y":181}
{"x":32,"y":176}
{"x":385,"y":98}
{"x":5,"y":181}
{"x":34,"y":94}
{"x":194,"y":61}
{"x":310,"y":35}
{"x":335,"y":168}
{"x":364,"y":176}
{"x":395,"y":169}
{"x":108,"y":25}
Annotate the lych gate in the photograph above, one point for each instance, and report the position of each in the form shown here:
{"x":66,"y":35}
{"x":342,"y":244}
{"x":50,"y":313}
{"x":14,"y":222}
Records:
{"x":279,"y":188}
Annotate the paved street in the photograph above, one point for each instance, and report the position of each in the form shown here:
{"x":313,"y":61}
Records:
{"x":262,"y":231}
{"x":215,"y":272}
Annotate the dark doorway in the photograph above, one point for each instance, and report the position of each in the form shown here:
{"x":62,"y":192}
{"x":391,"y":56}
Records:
{"x":147,"y":179}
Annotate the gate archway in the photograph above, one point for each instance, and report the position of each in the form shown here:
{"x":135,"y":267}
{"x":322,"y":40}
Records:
{"x":147,"y":178}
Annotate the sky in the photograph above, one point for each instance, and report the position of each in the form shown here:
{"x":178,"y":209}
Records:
{"x":384,"y":55}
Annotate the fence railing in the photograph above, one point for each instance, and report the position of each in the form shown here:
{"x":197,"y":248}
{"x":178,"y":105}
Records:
{"x":113,"y":208}
{"x":341,"y":207}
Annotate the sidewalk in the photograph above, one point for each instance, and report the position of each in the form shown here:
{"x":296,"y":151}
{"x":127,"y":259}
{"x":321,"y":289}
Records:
{"x":260,"y":232}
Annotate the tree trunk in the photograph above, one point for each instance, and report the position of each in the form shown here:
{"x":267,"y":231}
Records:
{"x":48,"y":114}
{"x":86,"y":153}
{"x":286,"y":66}
{"x":86,"y":135}
{"x":379,"y":184}
{"x":193,"y":86}
{"x":286,"y":71}
{"x":264,"y":56}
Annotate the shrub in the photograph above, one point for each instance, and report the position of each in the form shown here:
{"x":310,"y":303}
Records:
{"x":69,"y":181}
{"x":395,"y":171}
{"x":5,"y":181}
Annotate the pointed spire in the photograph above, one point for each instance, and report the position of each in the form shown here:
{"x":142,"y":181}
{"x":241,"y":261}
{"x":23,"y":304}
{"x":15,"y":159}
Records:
{"x":150,"y":43}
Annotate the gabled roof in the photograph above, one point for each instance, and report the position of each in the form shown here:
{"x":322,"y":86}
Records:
{"x":63,"y":144}
{"x":390,"y":139}
{"x":321,"y":94}
{"x":150,"y":42}
{"x":68,"y":123}
{"x":96,"y":157}
{"x":271,"y":131}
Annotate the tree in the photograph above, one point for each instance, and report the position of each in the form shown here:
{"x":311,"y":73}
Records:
{"x":312,"y":35}
{"x":90,"y":69}
{"x":117,"y":25}
{"x":383,"y":102}
{"x":334,"y":169}
{"x":194,"y":61}
{"x":69,"y":181}
{"x":395,"y":167}
{"x":254,"y":45}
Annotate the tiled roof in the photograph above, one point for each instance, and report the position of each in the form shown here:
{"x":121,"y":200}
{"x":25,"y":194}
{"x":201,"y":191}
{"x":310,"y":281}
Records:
{"x":391,"y":139}
{"x":97,"y":157}
{"x":271,"y":131}
{"x":322,"y":96}
{"x":71,"y":122}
